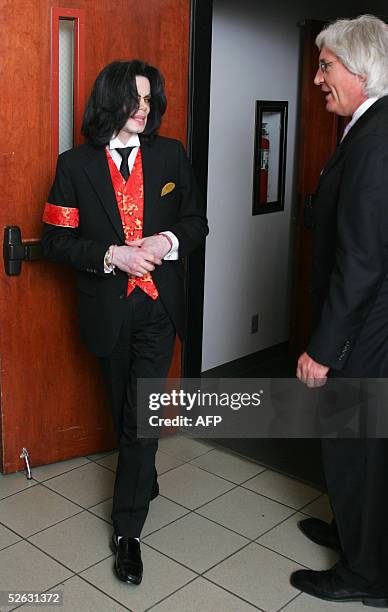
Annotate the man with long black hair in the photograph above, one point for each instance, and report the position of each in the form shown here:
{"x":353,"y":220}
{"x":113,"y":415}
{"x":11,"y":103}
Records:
{"x":124,"y":210}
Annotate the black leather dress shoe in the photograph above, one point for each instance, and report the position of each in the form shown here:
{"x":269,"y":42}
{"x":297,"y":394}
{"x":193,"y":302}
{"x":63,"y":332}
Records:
{"x":128,"y":564}
{"x":320,"y":532}
{"x":328,"y":585}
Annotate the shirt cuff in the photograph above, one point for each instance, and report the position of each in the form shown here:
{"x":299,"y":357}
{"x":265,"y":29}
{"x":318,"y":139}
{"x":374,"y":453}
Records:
{"x":173,"y":253}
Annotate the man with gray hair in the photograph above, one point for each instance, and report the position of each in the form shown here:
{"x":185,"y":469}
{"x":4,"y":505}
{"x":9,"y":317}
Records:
{"x":350,"y":302}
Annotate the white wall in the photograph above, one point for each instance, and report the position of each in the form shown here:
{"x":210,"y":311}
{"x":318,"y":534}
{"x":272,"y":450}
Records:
{"x":255,"y":56}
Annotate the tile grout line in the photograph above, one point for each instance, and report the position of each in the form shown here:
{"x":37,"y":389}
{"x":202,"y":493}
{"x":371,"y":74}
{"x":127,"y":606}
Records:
{"x":9,"y":529}
{"x":75,"y":502}
{"x":282,"y":503}
{"x":78,"y":467}
{"x":199,"y":573}
{"x":189,"y":511}
{"x":46,"y":591}
{"x":79,"y":573}
{"x":249,"y":540}
{"x":160,"y":552}
{"x":245,"y":489}
{"x":235,"y":594}
{"x":244,"y":482}
{"x":74,"y":572}
{"x":282,"y":555}
{"x":312,"y":502}
{"x":277,"y":525}
{"x":38,"y":482}
{"x":226,"y":558}
{"x":103,"y":592}
{"x":239,"y":533}
{"x":31,"y":486}
{"x":210,"y":582}
{"x":89,"y":584}
{"x":31,"y":535}
{"x":170,"y":454}
{"x":171,"y":594}
{"x":208,"y":471}
{"x":142,"y":539}
{"x":159,"y":473}
{"x":288,"y":602}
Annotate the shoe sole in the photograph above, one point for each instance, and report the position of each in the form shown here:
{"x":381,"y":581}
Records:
{"x":373,"y":602}
{"x":131,"y":579}
{"x":316,"y":540}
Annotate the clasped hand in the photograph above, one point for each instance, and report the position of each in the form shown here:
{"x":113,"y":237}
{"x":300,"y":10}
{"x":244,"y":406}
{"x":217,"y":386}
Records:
{"x":140,"y":257}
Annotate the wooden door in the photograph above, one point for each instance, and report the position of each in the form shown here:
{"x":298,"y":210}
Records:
{"x":52,"y":399}
{"x":319,"y":135}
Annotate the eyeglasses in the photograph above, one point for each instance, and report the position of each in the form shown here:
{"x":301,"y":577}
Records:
{"x":324,"y":66}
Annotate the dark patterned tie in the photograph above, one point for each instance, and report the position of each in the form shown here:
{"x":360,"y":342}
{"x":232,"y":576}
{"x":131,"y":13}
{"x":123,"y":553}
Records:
{"x":125,"y":153}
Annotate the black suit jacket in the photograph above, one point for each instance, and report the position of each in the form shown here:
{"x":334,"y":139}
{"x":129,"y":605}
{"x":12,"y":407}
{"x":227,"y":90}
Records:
{"x":350,"y":251}
{"x":83,"y":181}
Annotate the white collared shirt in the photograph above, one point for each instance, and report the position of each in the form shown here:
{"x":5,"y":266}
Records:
{"x":358,"y":113}
{"x":134,"y":141}
{"x":115,"y":143}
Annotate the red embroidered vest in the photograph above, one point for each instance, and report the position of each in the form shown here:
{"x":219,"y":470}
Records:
{"x":130,"y":201}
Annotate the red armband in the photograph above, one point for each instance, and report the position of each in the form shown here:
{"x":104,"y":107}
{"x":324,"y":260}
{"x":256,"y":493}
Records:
{"x":63,"y":216}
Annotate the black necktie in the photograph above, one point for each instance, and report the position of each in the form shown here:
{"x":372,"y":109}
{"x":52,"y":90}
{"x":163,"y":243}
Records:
{"x":125,"y":153}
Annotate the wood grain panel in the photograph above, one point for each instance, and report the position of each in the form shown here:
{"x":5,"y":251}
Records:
{"x":318,"y":139}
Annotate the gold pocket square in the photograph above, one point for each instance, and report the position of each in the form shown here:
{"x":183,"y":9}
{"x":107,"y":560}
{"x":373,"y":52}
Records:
{"x":167,"y":189}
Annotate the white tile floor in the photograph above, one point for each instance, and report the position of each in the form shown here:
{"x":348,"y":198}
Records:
{"x":221,"y":537}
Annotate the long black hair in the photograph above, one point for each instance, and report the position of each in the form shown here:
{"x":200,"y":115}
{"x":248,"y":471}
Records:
{"x":114,"y":98}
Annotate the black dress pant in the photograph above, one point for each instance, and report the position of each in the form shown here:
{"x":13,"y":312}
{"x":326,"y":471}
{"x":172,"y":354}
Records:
{"x":357,"y":481}
{"x":143,"y":350}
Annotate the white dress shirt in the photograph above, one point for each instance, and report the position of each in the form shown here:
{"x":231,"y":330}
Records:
{"x":358,"y":113}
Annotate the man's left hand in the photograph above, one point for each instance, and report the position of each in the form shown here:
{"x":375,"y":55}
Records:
{"x":310,"y":372}
{"x":158,"y":245}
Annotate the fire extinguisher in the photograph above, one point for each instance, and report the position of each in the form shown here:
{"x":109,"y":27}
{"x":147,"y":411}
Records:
{"x":264,"y":161}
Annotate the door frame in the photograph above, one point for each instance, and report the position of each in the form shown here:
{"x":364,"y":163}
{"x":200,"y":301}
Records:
{"x":198,"y":151}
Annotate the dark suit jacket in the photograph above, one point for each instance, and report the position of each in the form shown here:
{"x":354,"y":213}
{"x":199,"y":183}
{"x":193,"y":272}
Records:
{"x":350,"y":252}
{"x":83,"y":181}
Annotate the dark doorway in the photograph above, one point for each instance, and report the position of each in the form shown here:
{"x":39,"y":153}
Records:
{"x":300,"y":458}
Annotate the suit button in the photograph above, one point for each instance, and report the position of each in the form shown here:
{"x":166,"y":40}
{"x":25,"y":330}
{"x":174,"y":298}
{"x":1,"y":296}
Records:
{"x":122,"y":296}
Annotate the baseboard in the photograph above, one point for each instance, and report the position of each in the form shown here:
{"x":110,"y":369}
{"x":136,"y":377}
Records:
{"x":236,"y":368}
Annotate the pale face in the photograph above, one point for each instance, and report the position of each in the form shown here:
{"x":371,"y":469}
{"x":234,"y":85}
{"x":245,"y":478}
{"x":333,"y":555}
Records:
{"x":138,"y":120}
{"x":344,"y":91}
